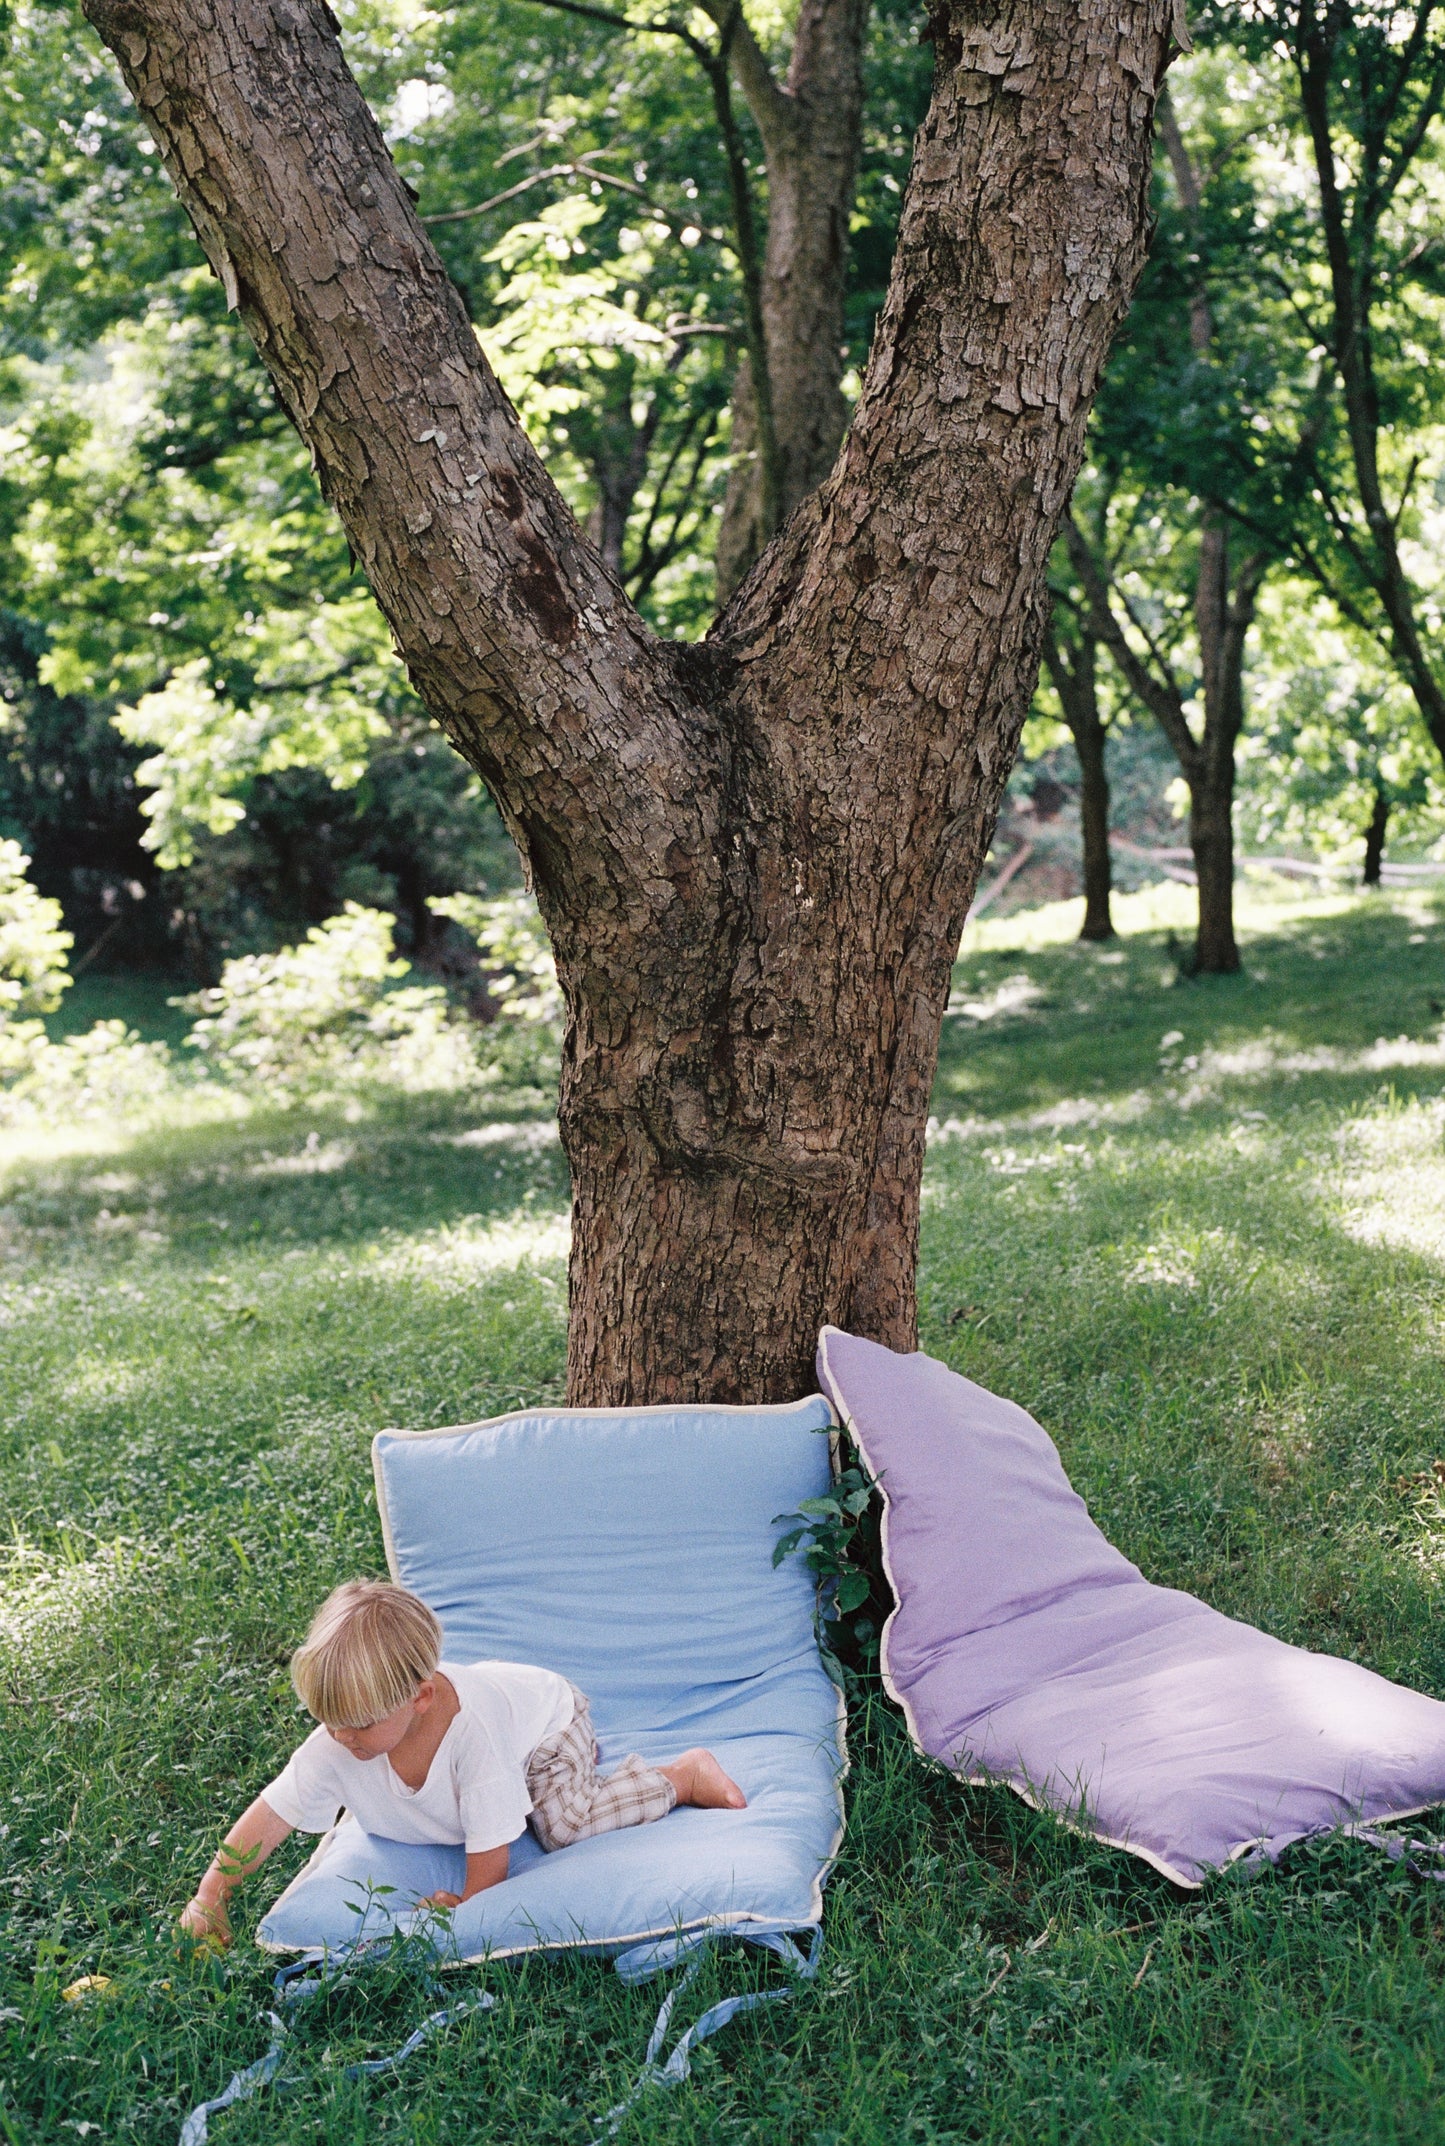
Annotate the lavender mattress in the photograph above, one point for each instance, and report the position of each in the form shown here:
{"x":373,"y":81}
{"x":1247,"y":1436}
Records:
{"x":1025,"y":1648}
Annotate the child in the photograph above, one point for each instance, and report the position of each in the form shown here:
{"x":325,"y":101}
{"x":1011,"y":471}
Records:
{"x":418,"y":1749}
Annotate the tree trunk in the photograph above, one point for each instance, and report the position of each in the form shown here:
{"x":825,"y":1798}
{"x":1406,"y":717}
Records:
{"x":1375,"y":840}
{"x":1211,"y":837}
{"x":1077,"y":684}
{"x":754,"y":857}
{"x":1223,"y":615}
{"x":1211,"y":787}
{"x":1094,"y":822}
{"x":811,"y":130}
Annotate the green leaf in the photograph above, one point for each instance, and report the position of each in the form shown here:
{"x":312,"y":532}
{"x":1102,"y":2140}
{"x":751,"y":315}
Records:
{"x":852,"y":1591}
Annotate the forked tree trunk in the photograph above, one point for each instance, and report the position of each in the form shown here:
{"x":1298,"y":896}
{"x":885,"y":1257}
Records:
{"x":754,"y":857}
{"x":811,"y":129}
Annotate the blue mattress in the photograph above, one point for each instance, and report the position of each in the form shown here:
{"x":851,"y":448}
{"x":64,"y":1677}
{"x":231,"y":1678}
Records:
{"x":631,"y":1549}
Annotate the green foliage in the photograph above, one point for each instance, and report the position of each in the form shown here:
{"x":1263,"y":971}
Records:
{"x":622,"y":379}
{"x":89,"y":221}
{"x":516,"y":953}
{"x":325,"y":1014}
{"x":331,"y":1015}
{"x":175,"y":542}
{"x":839,"y":1538}
{"x":103,"y":1073}
{"x":34,"y":971}
{"x":169,"y":548}
{"x":1385,"y":69}
{"x":1221,"y":1287}
{"x":1335,"y":729}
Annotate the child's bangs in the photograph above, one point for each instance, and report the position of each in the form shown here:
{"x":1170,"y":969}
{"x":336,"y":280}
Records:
{"x":346,"y":1690}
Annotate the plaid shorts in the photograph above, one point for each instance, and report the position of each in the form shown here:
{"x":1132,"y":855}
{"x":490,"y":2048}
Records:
{"x":571,"y":1800}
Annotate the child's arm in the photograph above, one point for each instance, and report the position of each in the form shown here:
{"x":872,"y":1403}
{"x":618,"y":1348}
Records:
{"x":488,"y":1868}
{"x":251,"y":1839}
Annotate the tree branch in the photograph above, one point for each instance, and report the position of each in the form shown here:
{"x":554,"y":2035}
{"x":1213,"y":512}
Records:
{"x":659,"y":26}
{"x":718,"y":67}
{"x":1160,"y":696}
{"x":582,"y":169}
{"x":774,"y":111}
{"x":650,"y":563}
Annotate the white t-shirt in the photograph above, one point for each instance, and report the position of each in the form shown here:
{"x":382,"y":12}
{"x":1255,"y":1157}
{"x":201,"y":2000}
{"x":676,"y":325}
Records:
{"x":475,"y":1791}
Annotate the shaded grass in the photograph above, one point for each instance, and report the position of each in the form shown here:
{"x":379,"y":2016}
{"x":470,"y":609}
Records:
{"x":1220,"y":1285}
{"x":142,"y":1001}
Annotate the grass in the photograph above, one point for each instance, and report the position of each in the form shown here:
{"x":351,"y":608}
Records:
{"x":145,"y":1004}
{"x":1213,"y":1265}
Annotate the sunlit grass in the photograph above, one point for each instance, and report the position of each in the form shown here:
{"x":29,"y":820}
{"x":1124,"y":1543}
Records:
{"x":1220,"y":1284}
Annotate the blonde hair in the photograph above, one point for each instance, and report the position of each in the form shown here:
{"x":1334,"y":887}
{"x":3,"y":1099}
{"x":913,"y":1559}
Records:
{"x":369,"y":1647}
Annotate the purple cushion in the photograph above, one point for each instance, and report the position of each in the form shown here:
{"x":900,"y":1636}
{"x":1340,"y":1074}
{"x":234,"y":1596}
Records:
{"x":1025,"y":1648}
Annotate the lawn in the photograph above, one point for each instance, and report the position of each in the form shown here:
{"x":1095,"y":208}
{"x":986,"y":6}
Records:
{"x":1197,"y":1226}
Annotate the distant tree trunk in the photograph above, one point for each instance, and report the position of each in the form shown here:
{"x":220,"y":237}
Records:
{"x":1224,"y":613}
{"x":1094,"y":819}
{"x":754,"y":857}
{"x":1076,"y":682}
{"x":1375,"y":840}
{"x":1211,"y":837}
{"x":619,"y":465}
{"x":1223,"y":618}
{"x":811,"y":128}
{"x":1224,"y":608}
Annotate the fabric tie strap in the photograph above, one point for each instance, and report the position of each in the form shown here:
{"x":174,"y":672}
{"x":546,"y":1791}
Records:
{"x":294,"y":1988}
{"x":1400,"y":1849}
{"x":802,"y":1966}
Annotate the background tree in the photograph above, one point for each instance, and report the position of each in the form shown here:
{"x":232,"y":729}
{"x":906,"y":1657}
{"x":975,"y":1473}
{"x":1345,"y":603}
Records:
{"x":1202,"y":445}
{"x":1371,"y":82}
{"x":773,"y":179}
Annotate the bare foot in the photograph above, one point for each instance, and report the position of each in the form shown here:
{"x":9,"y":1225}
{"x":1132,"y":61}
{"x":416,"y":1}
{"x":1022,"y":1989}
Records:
{"x":700,"y":1780}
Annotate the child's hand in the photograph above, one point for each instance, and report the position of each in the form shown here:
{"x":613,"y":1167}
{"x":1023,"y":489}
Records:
{"x":207,"y":1925}
{"x":442,"y":1900}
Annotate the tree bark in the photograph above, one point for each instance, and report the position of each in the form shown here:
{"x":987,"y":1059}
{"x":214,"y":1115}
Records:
{"x":811,"y":130}
{"x":1077,"y":684}
{"x":754,"y":857}
{"x":1375,"y":840}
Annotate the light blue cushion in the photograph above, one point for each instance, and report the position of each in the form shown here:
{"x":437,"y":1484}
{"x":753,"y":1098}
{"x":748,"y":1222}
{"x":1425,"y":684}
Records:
{"x":631,"y":1549}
